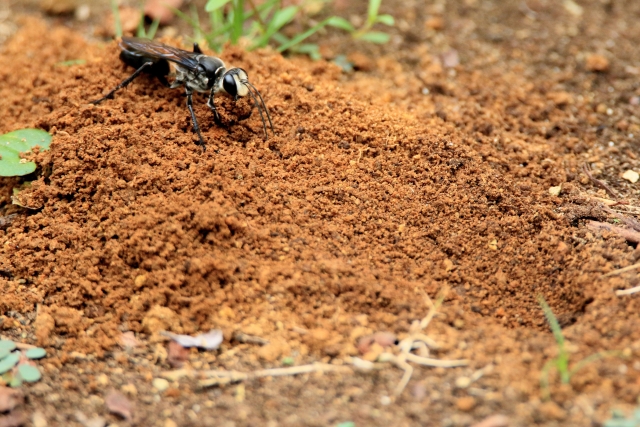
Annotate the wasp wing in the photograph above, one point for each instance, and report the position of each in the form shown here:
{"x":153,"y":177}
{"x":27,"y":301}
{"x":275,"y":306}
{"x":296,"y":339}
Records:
{"x":157,"y":50}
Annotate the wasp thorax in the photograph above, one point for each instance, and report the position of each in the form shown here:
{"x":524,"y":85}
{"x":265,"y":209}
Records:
{"x":211,"y":68}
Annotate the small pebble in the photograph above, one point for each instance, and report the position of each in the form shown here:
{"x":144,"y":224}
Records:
{"x":130,"y":389}
{"x":463,"y":382}
{"x":552,"y":411}
{"x":596,"y":62}
{"x":39,"y":420}
{"x":160,"y":384}
{"x":466,"y":403}
{"x":102,"y":379}
{"x":631,"y":176}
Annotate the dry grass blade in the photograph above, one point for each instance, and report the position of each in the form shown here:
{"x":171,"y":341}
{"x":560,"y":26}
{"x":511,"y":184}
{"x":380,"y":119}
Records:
{"x":622,"y":270}
{"x":226,"y":377}
{"x":599,"y":183}
{"x":630,"y":291}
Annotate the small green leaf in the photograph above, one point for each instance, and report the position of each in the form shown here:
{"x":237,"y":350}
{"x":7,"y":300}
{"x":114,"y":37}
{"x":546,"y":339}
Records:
{"x":4,"y":352}
{"x":386,"y":20}
{"x":117,"y":23}
{"x":310,"y":49}
{"x":20,"y":141}
{"x":213,"y":5}
{"x":339,"y":22}
{"x":374,"y":7}
{"x":36,"y":353}
{"x":153,"y":28}
{"x":9,"y":362}
{"x":375,"y":37}
{"x":29,"y":373}
{"x":343,"y":62}
{"x":281,"y":18}
{"x":7,"y":344}
{"x":287,"y":361}
{"x":15,"y":381}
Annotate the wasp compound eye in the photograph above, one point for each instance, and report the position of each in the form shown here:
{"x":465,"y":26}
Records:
{"x":229,"y":85}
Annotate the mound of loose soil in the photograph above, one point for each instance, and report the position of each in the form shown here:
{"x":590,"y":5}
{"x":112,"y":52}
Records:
{"x":368,"y":192}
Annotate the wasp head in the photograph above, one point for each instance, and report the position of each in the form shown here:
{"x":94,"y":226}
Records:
{"x":234,"y":82}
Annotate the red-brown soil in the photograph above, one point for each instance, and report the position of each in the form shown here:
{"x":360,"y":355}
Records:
{"x":410,"y":177}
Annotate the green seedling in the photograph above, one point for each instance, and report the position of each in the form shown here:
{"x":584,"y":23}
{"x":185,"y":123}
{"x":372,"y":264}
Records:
{"x":12,"y":371}
{"x":287,"y":361}
{"x":20,"y":141}
{"x":261,"y":25}
{"x":618,"y":420}
{"x":151,"y":32}
{"x":561,"y":361}
{"x":116,"y":18}
{"x":365,"y":32}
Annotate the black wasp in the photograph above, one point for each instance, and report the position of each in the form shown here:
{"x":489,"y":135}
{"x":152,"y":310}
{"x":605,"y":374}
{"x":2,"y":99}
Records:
{"x":196,"y":71}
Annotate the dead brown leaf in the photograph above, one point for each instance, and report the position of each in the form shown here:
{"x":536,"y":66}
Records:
{"x":9,"y":399}
{"x":118,"y":404}
{"x":12,"y":419}
{"x":128,"y":340}
{"x":384,"y":339}
{"x":177,"y":354}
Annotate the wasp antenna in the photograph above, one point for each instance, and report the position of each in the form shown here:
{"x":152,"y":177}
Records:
{"x":266,"y":110}
{"x":257,"y":104}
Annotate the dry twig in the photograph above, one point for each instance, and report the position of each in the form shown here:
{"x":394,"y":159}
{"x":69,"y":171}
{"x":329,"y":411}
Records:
{"x":630,"y":235}
{"x":416,"y":340}
{"x":621,"y":270}
{"x":226,"y":377}
{"x":630,"y":291}
{"x":249,"y":339}
{"x":599,"y":183}
{"x":628,"y":221}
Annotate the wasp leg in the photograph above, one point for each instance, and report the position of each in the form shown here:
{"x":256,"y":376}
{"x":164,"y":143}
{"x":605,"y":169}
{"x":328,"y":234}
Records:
{"x":196,"y":48}
{"x":193,"y":117}
{"x":212,"y":107}
{"x":124,"y":83}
